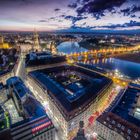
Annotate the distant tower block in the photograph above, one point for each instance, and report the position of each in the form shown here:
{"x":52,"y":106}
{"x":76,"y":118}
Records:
{"x":36,"y":41}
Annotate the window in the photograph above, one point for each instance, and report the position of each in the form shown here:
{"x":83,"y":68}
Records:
{"x":122,"y":133}
{"x":136,"y":135}
{"x":119,"y":125}
{"x":128,"y":137}
{"x":113,"y":122}
{"x":122,"y":127}
{"x":108,"y":118}
{"x":110,"y":126}
{"x":129,"y":131}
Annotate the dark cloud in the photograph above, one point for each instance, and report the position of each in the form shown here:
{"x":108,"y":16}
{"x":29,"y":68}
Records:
{"x":74,"y":19}
{"x":97,"y":7}
{"x":43,"y":20}
{"x":125,"y":25}
{"x":72,"y":5}
{"x":16,"y":2}
{"x":52,"y":17}
{"x":130,"y":11}
{"x":57,"y":9}
{"x":133,"y":16}
{"x":62,"y":15}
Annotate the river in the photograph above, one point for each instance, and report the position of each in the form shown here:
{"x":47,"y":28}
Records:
{"x":127,"y":68}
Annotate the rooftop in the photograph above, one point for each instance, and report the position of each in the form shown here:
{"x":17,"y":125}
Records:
{"x":36,"y":120}
{"x":71,"y":87}
{"x":42,"y":58}
{"x":32,"y":108}
{"x":125,"y":111}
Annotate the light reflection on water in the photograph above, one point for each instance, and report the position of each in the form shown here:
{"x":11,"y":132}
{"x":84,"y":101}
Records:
{"x":127,"y":68}
{"x":70,"y":47}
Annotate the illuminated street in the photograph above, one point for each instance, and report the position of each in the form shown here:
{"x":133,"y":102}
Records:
{"x":70,"y":70}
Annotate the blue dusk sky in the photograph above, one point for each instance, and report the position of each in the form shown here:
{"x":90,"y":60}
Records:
{"x":70,"y":15}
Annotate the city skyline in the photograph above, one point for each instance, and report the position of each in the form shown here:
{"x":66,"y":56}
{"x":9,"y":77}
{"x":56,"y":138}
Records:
{"x":70,"y":15}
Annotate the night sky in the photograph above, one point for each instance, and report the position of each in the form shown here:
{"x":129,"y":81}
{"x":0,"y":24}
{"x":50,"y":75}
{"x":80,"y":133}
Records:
{"x":70,"y":15}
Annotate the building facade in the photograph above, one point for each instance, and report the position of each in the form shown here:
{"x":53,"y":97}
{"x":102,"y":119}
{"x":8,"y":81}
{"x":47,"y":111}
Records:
{"x":68,"y":124}
{"x":120,"y":121}
{"x":36,"y":124}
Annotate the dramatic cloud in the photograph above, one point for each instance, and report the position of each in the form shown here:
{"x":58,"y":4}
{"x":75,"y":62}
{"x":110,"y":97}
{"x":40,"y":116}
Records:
{"x":125,"y":25}
{"x":74,"y":19}
{"x":98,"y":7}
{"x":51,"y":15}
{"x":130,"y":11}
{"x":42,"y":20}
{"x":56,"y":9}
{"x":73,"y":5}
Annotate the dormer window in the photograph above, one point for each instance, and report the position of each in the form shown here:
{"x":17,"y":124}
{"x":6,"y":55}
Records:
{"x":129,"y":131}
{"x":136,"y":135}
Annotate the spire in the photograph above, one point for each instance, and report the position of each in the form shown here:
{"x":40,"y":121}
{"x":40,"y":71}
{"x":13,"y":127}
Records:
{"x":36,"y":41}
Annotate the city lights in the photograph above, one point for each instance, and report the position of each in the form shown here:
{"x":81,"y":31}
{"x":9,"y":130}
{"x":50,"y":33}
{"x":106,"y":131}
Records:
{"x":69,"y":70}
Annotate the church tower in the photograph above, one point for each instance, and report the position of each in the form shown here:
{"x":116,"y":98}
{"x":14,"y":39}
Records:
{"x":36,"y":41}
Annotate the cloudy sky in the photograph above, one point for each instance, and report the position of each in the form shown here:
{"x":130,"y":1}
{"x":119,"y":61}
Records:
{"x":70,"y":15}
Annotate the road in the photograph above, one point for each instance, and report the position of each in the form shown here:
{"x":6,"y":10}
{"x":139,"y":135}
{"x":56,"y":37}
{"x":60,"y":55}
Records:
{"x":21,"y":72}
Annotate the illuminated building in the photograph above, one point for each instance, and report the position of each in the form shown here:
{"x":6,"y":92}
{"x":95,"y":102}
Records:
{"x":73,"y":93}
{"x":36,"y":41}
{"x":122,"y":120}
{"x":53,"y":48}
{"x":40,"y":60}
{"x":35,"y":125}
{"x":2,"y":44}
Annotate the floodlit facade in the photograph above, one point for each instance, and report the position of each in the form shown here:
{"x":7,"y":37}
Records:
{"x":35,"y":124}
{"x":70,"y":102}
{"x":121,"y":122}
